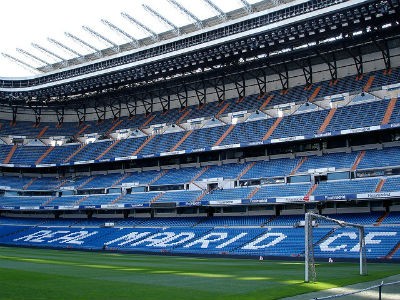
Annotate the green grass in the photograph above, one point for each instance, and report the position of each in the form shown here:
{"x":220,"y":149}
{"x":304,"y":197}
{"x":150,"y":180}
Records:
{"x":51,"y":274}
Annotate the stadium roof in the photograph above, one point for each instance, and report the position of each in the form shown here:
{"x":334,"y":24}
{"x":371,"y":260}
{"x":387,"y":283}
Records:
{"x":41,"y":38}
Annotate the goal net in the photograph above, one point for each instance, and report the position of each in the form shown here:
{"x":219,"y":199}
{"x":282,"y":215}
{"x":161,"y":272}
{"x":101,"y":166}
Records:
{"x":312,"y":218}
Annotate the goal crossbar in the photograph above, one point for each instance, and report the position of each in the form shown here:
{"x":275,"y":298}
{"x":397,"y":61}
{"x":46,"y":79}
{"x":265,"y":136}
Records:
{"x":309,"y":247}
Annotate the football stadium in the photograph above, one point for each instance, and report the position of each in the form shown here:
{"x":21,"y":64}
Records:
{"x":250,"y":154}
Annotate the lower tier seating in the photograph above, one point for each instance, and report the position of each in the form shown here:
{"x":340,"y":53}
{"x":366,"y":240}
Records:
{"x":249,"y":236}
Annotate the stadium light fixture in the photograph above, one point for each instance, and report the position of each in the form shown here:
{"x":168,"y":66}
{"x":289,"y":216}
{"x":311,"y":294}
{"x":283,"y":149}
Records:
{"x":153,"y":35}
{"x":101,"y":37}
{"x":122,"y":32}
{"x":221,"y":14}
{"x":175,"y":28}
{"x":197,"y":22}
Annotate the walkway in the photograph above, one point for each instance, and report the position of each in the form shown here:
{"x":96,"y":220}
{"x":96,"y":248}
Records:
{"x":391,"y":292}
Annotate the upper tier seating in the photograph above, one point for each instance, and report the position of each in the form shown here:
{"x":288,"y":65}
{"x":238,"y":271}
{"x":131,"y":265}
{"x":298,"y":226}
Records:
{"x":229,"y":171}
{"x":353,"y":116}
{"x":334,"y":160}
{"x":300,"y":124}
{"x":228,"y":194}
{"x":251,"y":102}
{"x":281,"y":190}
{"x":388,"y":157}
{"x":357,"y":116}
{"x":179,"y":176}
{"x":272,"y":168}
{"x":391,"y":184}
{"x":278,"y":168}
{"x":348,"y":117}
{"x":343,"y":187}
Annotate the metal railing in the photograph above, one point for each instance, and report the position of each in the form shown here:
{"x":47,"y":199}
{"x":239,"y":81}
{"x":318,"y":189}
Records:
{"x":379,"y":287}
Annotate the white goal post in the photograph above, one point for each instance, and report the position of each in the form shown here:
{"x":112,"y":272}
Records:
{"x":309,"y":246}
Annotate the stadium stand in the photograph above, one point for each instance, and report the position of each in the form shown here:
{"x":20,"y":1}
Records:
{"x":250,"y":236}
{"x":219,"y":150}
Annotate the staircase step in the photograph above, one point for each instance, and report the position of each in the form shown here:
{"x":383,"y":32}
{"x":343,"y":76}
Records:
{"x":358,"y":160}
{"x":183,"y":116}
{"x":266,"y":102}
{"x":314,"y":94}
{"x":389,"y":111}
{"x":40,"y":159}
{"x":272,"y":129}
{"x":149,"y":119}
{"x":245,"y":170}
{"x":10,"y":154}
{"x":180,"y":142}
{"x":108,"y":149}
{"x":368,"y":85}
{"x":224,"y":135}
{"x":327,"y":120}
{"x":115,"y":125}
{"x":75,"y":152}
{"x":42,"y":132}
{"x":143,"y":145}
{"x":221,"y":111}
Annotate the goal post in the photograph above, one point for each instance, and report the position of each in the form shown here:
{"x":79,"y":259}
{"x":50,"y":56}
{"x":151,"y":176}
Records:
{"x":309,"y":263}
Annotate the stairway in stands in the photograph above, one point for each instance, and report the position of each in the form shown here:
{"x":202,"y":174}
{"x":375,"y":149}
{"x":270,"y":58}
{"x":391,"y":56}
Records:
{"x":10,"y":154}
{"x":44,"y":155}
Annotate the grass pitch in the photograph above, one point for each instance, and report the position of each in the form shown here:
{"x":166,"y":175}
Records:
{"x":53,"y":274}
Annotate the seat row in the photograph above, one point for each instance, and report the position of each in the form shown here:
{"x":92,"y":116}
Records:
{"x":273,"y":168}
{"x":381,"y":242}
{"x":302,"y":125}
{"x":344,"y":189}
{"x":251,"y":102}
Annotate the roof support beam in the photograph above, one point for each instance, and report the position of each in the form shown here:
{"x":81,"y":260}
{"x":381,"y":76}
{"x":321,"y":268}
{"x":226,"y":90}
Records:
{"x":306,"y":66}
{"x":20,"y":62}
{"x":82,"y":42}
{"x":48,"y":52}
{"x":240,"y":85}
{"x":122,"y":32}
{"x":384,"y":48}
{"x":148,"y":104}
{"x":247,"y":6}
{"x":60,"y":115}
{"x":65,"y":47}
{"x":153,"y":35}
{"x":100,"y":112}
{"x":261,"y":78}
{"x":358,"y":60}
{"x":197,"y":22}
{"x":219,"y":86}
{"x":115,"y":108}
{"x":81,"y":114}
{"x":221,"y":14}
{"x":200,"y":88}
{"x":38,"y":113}
{"x":131,"y":107}
{"x":283,"y":76}
{"x":14,"y":114}
{"x":332,"y":65}
{"x":30,"y":55}
{"x":165,"y":101}
{"x":101,"y":37}
{"x":175,"y":28}
{"x":182,"y":95}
